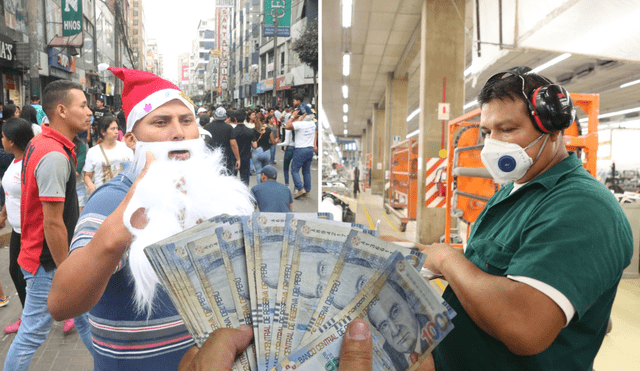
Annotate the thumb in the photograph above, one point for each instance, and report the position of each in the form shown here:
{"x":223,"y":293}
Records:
{"x":356,"y":348}
{"x":150,"y":158}
{"x":219,"y":351}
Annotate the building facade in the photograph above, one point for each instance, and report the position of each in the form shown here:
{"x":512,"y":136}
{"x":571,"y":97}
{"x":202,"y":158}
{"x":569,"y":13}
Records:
{"x":71,"y":39}
{"x":154,"y":58}
{"x":247,"y":76}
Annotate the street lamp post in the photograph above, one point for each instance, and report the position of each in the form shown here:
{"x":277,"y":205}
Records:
{"x":275,"y":13}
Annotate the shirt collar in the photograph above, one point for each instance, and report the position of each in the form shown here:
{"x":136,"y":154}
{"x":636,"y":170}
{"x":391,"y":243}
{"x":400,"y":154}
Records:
{"x":57,"y":136}
{"x":550,"y":178}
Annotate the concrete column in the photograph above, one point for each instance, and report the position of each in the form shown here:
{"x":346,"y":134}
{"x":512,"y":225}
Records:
{"x":377,"y":152}
{"x":396,"y":116}
{"x":368,"y":149}
{"x":441,"y":58}
{"x":364,"y":145}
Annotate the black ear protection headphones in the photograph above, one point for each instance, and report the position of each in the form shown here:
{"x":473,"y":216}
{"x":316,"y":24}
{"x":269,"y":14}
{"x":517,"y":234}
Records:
{"x":550,"y":107}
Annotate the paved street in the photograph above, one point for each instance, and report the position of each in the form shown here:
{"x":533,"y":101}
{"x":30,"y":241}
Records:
{"x":62,"y":352}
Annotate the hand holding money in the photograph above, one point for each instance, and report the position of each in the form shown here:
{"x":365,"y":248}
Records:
{"x":437,"y":255}
{"x":357,"y":350}
{"x":219,"y":351}
{"x":319,"y":294}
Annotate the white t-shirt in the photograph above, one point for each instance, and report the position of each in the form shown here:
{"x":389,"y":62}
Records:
{"x":305,"y":133}
{"x":95,"y":161}
{"x":12,"y":191}
{"x":36,"y":130}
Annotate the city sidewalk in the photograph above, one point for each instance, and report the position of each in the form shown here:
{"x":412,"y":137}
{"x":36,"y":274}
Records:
{"x":62,"y":352}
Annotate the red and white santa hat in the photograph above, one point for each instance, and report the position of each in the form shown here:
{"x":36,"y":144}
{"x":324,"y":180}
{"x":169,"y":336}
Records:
{"x":143,"y":92}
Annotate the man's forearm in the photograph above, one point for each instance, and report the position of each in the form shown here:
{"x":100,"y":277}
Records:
{"x":55,"y":233}
{"x":236,"y":152}
{"x":73,"y":293}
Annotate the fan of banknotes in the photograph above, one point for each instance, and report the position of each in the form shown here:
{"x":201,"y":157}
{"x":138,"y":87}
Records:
{"x":299,"y":279}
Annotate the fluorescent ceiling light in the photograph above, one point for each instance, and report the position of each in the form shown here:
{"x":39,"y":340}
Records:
{"x":413,"y":133}
{"x":332,"y":138}
{"x":551,"y":62}
{"x":347,"y":9}
{"x":345,"y":108}
{"x":345,"y":119}
{"x":346,"y":61}
{"x":617,"y":113}
{"x":345,"y":91}
{"x":467,"y":72}
{"x":630,"y":83}
{"x":470,"y":104}
{"x":346,"y":131}
{"x":413,"y":114}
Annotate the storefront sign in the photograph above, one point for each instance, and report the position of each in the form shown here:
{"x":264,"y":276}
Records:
{"x":267,"y":85}
{"x":7,"y":51}
{"x":71,"y":17}
{"x":281,"y":85}
{"x":62,"y":61}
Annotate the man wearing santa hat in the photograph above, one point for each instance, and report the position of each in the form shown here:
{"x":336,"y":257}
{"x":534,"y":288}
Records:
{"x":99,"y":274}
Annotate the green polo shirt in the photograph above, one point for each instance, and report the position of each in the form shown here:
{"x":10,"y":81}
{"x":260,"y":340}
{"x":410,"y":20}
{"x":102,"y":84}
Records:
{"x":563,"y":228}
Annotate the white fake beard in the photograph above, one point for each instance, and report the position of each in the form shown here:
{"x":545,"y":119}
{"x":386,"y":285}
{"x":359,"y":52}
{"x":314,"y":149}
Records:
{"x":176,"y":195}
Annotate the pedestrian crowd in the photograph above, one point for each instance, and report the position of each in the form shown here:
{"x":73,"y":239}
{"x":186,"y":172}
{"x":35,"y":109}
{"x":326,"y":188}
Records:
{"x":249,"y":138}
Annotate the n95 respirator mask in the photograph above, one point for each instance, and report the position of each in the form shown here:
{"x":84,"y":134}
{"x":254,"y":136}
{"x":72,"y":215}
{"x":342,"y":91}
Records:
{"x":508,"y":162}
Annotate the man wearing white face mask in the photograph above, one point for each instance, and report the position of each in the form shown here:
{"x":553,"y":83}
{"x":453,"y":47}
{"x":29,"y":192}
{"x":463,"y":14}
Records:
{"x":99,"y":272}
{"x":534,"y":288}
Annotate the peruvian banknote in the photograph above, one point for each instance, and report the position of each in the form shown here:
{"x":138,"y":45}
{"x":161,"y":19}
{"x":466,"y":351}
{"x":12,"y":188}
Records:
{"x":231,"y":239}
{"x":361,"y":257}
{"x":316,"y":250}
{"x":406,"y":318}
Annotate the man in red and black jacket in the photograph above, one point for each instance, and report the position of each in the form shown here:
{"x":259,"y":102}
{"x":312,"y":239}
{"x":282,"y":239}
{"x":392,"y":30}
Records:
{"x":48,"y":215}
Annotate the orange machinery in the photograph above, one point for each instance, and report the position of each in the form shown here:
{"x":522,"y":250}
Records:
{"x":472,"y":186}
{"x":367,"y":174}
{"x":403,"y":182}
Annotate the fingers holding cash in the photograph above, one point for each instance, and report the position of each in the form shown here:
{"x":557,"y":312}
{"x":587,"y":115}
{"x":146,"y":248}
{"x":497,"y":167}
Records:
{"x":219,"y":351}
{"x":317,"y":294}
{"x":356,"y":352}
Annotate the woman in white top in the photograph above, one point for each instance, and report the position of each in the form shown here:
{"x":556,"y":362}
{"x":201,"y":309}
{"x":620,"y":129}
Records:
{"x":104,"y":161}
{"x":16,"y":134}
{"x":30,"y":114}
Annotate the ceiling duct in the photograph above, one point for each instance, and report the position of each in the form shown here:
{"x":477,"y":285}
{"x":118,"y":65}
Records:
{"x":606,"y":63}
{"x":584,"y":70}
{"x":564,"y":78}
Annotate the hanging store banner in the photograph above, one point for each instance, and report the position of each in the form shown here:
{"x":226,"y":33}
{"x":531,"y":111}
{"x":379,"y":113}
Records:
{"x":185,"y":73}
{"x":71,"y":17}
{"x":280,"y":9}
{"x":223,"y":38}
